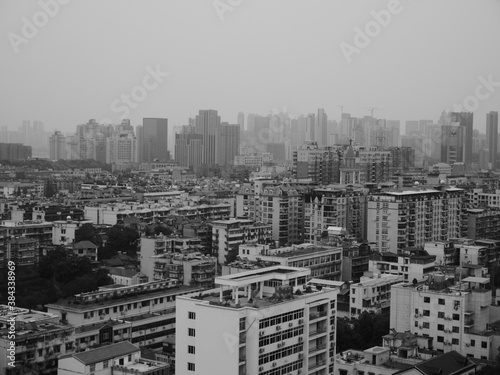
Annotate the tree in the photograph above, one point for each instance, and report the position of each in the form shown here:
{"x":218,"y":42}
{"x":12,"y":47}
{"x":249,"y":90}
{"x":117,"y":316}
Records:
{"x":123,"y":239}
{"x":87,"y":232}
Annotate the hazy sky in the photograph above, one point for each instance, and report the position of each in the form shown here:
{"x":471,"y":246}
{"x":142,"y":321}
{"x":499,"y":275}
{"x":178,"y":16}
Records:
{"x":264,"y":54}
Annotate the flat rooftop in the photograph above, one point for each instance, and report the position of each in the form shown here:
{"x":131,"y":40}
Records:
{"x":298,"y":251}
{"x":269,"y":273}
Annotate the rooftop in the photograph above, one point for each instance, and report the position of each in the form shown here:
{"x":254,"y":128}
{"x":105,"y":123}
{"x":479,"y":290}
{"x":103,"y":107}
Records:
{"x":106,"y":352}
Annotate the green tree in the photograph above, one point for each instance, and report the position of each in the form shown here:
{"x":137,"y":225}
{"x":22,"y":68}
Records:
{"x":123,"y":239}
{"x":87,"y":232}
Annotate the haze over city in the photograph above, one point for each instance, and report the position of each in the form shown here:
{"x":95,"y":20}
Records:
{"x":255,"y":57}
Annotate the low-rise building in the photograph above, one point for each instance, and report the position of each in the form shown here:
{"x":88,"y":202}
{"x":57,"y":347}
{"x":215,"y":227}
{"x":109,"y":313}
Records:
{"x":63,"y":231}
{"x":411,"y":263}
{"x":86,"y":249}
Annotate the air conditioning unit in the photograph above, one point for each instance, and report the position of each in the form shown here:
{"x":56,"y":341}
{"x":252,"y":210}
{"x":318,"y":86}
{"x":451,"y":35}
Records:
{"x":420,"y":315}
{"x":301,"y":321}
{"x":279,"y":345}
{"x":416,"y":315}
{"x":290,"y":324}
{"x":301,"y":355}
{"x":261,"y":350}
{"x":278,"y":328}
{"x":467,"y":344}
{"x":274,"y":364}
{"x":301,"y":339}
{"x":261,"y":368}
{"x":420,"y":327}
{"x":261,"y":333}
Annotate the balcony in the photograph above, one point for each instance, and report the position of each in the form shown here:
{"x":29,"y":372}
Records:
{"x":316,"y":365}
{"x":317,"y":348}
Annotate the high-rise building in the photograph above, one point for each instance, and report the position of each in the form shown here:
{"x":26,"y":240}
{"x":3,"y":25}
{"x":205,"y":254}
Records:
{"x":452,"y":143}
{"x":227,"y":143}
{"x":15,"y":151}
{"x":57,"y":146}
{"x":492,"y":138}
{"x":412,"y":217}
{"x":321,"y":164}
{"x":121,"y":148}
{"x":241,"y":121}
{"x":189,"y":150}
{"x":465,"y":120}
{"x":207,"y":124}
{"x":321,"y":128}
{"x":244,"y":330}
{"x":155,"y":140}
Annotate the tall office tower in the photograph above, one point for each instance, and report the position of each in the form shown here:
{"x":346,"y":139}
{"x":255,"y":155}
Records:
{"x":311,"y":127}
{"x":452,"y":143}
{"x":208,"y":124}
{"x":241,"y":120}
{"x":465,"y":119}
{"x":244,"y":330}
{"x":188,"y":150}
{"x":100,"y":147}
{"x":155,"y":140}
{"x":57,"y":146}
{"x":412,"y":217}
{"x":394,"y":135}
{"x":445,"y":118}
{"x":140,"y":137}
{"x":228,"y":143}
{"x":321,"y":128}
{"x":492,"y":138}
{"x":73,"y":147}
{"x":411,"y":127}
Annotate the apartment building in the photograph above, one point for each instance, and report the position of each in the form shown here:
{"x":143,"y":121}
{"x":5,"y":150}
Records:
{"x":112,"y":214}
{"x":411,"y":263}
{"x":377,"y":165}
{"x":63,"y":231}
{"x":323,"y":261}
{"x":407,"y":218}
{"x":220,"y":211}
{"x":32,"y":229}
{"x":38,"y":341}
{"x":355,"y":260}
{"x":144,"y":314}
{"x":483,"y":223}
{"x":282,"y":207}
{"x":23,"y":251}
{"x":481,"y":198}
{"x":337,"y":206}
{"x":452,"y":315}
{"x":227,"y":235}
{"x":317,"y":163}
{"x":372,"y":293}
{"x":122,"y":358}
{"x":257,"y":322}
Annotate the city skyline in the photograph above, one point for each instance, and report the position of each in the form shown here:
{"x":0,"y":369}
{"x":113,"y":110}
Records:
{"x":243,"y":61}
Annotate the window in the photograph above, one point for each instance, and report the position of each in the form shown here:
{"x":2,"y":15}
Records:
{"x":456,"y":317}
{"x":426,"y":325}
{"x":440,"y":327}
{"x":105,"y":364}
{"x":130,"y":357}
{"x":191,"y":349}
{"x":455,"y":329}
{"x":441,"y":301}
{"x":427,"y":299}
{"x":454,"y":341}
{"x":426,"y":313}
{"x":190,"y":366}
{"x":191,"y":332}
{"x":191,"y":315}
{"x":484,"y":344}
{"x":472,"y":342}
{"x":441,"y":314}
{"x":416,"y":323}
{"x":92,"y":367}
{"x":440,"y":339}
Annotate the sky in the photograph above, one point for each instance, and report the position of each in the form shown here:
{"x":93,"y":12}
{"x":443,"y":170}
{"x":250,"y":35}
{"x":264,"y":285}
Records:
{"x":175,"y":57}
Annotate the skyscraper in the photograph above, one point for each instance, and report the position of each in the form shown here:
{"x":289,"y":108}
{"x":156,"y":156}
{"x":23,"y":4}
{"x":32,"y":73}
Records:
{"x":492,"y":138}
{"x":155,"y":140}
{"x":57,"y":146}
{"x":321,"y":131}
{"x":228,"y":143}
{"x":188,"y":150}
{"x":465,"y":119}
{"x":241,"y":120}
{"x":207,"y":124}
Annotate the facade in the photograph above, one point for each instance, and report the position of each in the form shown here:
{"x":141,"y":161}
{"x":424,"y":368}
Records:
{"x":254,"y":332}
{"x":31,"y":229}
{"x":23,"y":251}
{"x":319,"y":164}
{"x":483,"y":224}
{"x":189,"y":150}
{"x":207,"y":124}
{"x":121,"y":148}
{"x":337,"y":206}
{"x":377,"y":165}
{"x":86,"y":249}
{"x":445,"y":252}
{"x":113,"y":214}
{"x":15,"y":151}
{"x":452,"y":316}
{"x":465,"y":121}
{"x":228,"y":143}
{"x":483,"y":198}
{"x":492,"y":139}
{"x":406,"y":218}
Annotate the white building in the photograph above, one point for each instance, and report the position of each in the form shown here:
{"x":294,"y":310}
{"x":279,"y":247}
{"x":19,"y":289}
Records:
{"x":452,"y":316}
{"x":372,"y":293}
{"x":261,"y":327}
{"x":63,"y":231}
